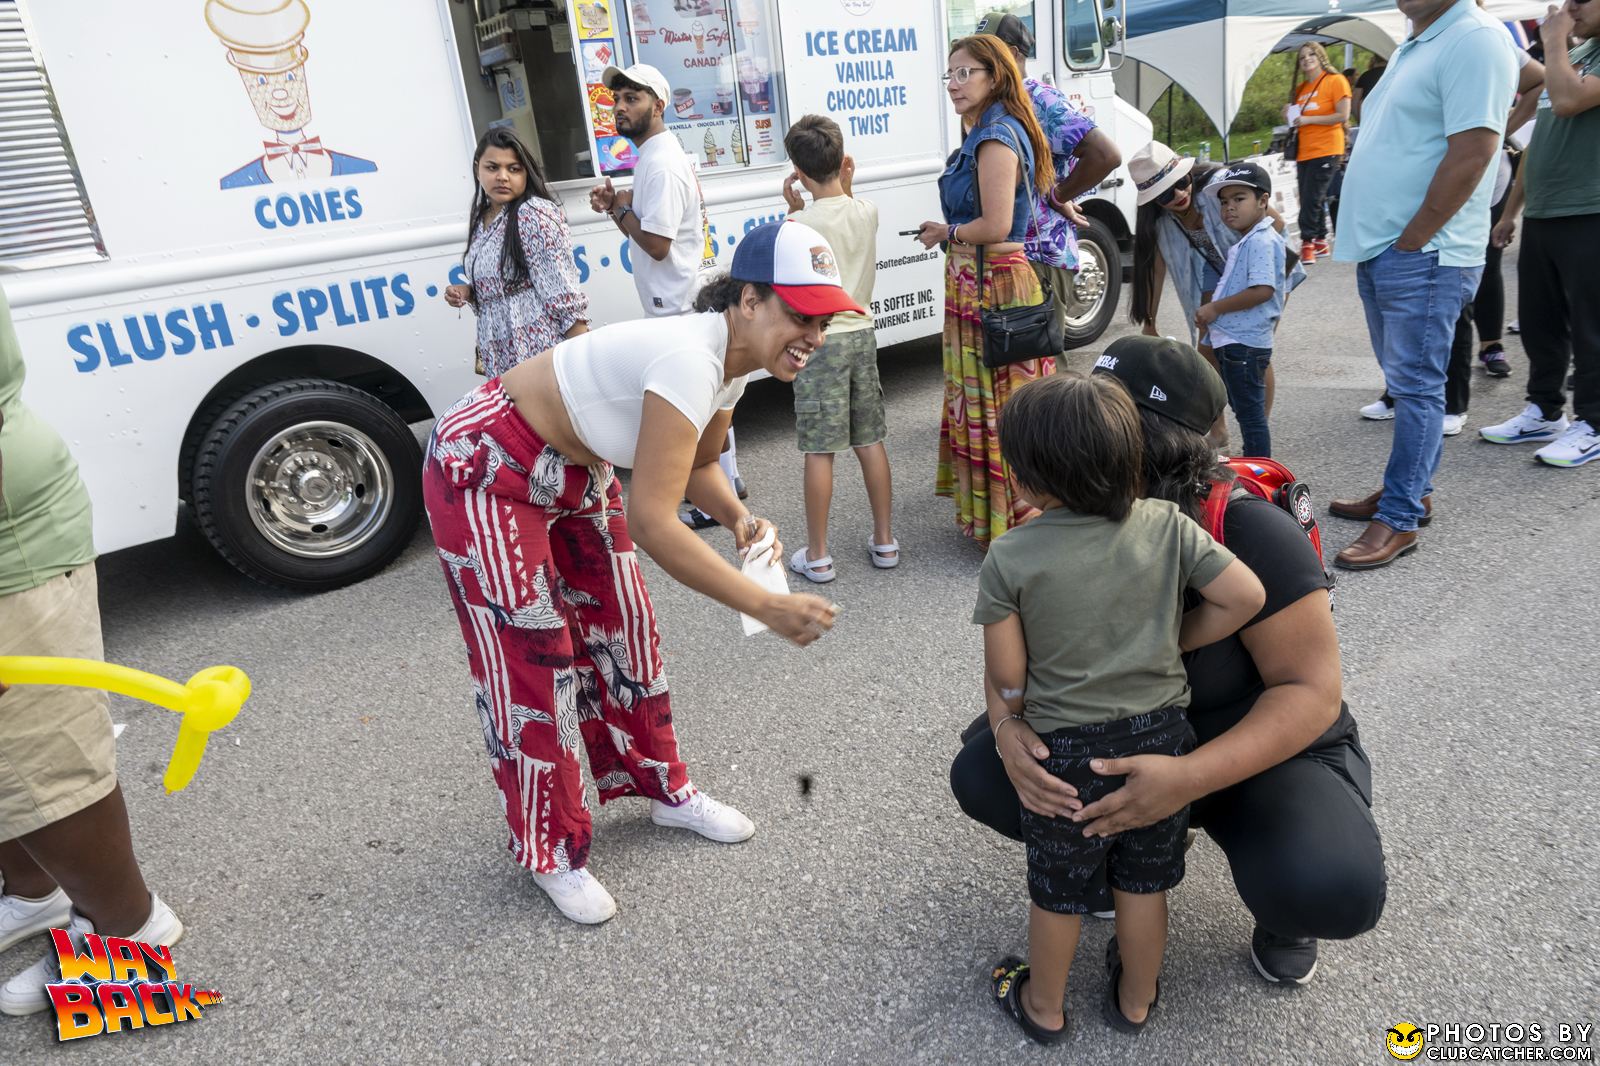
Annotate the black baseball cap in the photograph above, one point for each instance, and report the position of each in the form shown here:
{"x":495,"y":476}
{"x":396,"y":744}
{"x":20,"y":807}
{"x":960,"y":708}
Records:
{"x":1168,"y":377}
{"x":1249,"y":175}
{"x":1010,"y":29}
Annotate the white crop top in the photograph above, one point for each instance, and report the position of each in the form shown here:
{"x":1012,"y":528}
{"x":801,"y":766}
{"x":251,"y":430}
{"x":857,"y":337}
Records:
{"x":604,"y":374}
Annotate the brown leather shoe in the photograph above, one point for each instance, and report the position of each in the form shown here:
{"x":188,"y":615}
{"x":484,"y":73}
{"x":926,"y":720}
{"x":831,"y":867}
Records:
{"x":1366,"y":509}
{"x":1377,"y":546}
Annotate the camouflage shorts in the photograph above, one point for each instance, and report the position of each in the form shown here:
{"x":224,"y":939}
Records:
{"x":838,"y":402}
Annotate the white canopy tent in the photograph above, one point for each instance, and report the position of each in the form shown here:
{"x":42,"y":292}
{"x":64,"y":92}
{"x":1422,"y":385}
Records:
{"x":1212,"y":47}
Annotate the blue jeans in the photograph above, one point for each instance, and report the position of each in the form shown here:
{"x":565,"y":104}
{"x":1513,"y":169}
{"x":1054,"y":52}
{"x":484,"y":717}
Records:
{"x":1244,"y":372}
{"x":1412,"y":304}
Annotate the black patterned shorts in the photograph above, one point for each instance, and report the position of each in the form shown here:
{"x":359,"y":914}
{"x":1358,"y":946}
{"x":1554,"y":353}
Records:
{"x":1062,"y":862}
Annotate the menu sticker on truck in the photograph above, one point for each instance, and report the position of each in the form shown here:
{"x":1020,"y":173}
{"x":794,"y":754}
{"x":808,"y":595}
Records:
{"x":597,"y":56}
{"x":594,"y":19}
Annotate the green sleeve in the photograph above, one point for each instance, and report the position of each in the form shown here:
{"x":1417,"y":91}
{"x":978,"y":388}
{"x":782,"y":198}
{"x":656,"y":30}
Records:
{"x":1203,"y":558}
{"x":996,"y":597}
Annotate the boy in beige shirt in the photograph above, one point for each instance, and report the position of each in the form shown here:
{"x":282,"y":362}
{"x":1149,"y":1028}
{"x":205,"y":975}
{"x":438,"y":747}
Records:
{"x":838,"y":402}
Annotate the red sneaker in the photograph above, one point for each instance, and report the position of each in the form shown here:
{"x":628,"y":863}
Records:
{"x":1308,"y":253}
{"x":1324,"y":249}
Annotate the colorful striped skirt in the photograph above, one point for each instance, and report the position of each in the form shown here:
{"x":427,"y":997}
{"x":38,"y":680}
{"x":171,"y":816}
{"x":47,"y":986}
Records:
{"x":970,"y":468}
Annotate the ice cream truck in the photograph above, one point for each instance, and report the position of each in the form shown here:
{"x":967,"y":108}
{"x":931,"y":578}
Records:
{"x":226,"y":226}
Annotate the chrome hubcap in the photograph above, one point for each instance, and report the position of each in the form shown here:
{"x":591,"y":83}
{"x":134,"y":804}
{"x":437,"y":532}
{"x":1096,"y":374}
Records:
{"x":319,"y":489}
{"x":1088,"y":286}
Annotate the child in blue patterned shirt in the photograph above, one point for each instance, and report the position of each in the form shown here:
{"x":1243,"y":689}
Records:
{"x":1245,"y":306}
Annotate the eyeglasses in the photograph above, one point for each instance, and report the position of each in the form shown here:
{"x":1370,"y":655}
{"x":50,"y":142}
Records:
{"x":1183,"y":184}
{"x":960,"y":74}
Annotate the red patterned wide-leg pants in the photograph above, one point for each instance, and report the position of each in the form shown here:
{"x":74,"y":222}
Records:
{"x":561,"y":637}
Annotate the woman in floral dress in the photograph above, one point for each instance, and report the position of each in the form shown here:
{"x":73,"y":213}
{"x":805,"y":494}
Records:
{"x":524,"y":290}
{"x":986,"y":196}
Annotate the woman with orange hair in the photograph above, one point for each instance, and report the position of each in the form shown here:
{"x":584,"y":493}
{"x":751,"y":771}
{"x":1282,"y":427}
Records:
{"x":986,"y":193}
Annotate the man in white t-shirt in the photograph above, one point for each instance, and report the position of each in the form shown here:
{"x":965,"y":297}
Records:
{"x":663,"y":214}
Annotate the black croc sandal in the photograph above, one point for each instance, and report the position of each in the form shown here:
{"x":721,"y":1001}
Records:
{"x":1112,"y":1007}
{"x":697,"y":519}
{"x":1007,"y":979}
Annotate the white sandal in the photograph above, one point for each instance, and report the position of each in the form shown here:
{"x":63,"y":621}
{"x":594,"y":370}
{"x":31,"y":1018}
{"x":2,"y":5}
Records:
{"x":884,"y":556}
{"x":818,"y":570}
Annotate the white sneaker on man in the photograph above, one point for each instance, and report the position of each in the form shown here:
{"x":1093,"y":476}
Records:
{"x":1378,"y":411}
{"x":1578,"y":445}
{"x":1453,"y":424}
{"x":21,"y":918}
{"x":712,"y":820}
{"x":577,"y":895}
{"x":25,"y":994}
{"x":1530,"y":425}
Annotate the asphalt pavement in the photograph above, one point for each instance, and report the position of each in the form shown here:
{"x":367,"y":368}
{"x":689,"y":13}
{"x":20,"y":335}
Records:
{"x":340,"y":860}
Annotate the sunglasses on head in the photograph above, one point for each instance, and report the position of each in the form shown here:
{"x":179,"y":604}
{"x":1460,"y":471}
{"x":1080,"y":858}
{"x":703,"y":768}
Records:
{"x":1183,"y":184}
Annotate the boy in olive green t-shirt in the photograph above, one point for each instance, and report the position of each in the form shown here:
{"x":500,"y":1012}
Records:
{"x":1082,"y":609}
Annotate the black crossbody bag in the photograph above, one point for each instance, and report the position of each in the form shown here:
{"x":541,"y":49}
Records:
{"x":1017,"y":334}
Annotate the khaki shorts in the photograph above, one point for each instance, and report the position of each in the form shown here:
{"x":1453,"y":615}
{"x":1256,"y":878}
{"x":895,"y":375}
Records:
{"x":838,"y":401}
{"x":57,"y":755}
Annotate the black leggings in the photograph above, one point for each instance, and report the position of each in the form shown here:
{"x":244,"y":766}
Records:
{"x":1299,"y":837}
{"x":1313,"y":177}
{"x":1489,"y":306}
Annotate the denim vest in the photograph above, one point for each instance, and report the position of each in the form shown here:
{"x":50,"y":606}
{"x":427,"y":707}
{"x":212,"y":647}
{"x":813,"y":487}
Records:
{"x":958,"y":185}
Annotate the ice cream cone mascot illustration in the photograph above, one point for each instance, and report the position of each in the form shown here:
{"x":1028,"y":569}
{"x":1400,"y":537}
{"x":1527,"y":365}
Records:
{"x":263,"y":39}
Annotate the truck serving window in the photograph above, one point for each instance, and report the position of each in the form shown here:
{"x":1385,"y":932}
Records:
{"x":528,"y":57}
{"x":45,"y":218}
{"x":723,"y":61}
{"x":1080,"y":22}
{"x":964,"y":16}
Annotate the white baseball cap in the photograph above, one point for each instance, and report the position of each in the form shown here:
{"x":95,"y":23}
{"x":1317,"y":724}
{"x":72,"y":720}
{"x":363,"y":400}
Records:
{"x":639,"y":74}
{"x":798,"y":263}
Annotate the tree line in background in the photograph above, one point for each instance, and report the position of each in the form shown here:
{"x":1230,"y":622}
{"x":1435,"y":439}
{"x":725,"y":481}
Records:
{"x":1181,"y":125}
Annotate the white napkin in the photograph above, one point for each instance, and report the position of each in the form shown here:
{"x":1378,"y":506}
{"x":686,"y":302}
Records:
{"x":763,"y":567}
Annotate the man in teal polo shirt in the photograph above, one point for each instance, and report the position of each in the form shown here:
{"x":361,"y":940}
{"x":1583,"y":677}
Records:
{"x":1560,"y":177}
{"x":1414,"y":214}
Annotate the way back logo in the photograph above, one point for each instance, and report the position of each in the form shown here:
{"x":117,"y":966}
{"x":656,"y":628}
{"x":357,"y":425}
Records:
{"x":118,"y":984}
{"x":264,"y":41}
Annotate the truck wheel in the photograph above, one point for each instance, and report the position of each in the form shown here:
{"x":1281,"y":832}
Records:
{"x":308,"y":484}
{"x":1092,"y":301}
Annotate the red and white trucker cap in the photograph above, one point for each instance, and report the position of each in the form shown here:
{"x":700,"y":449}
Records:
{"x":796,"y":261}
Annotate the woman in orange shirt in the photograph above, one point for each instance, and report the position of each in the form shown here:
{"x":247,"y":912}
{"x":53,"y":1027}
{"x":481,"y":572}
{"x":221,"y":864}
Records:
{"x":1321,"y":108}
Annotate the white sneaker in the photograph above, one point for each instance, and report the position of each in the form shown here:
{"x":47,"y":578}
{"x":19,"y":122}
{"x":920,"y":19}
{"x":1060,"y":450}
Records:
{"x":25,"y":994}
{"x":1378,"y":411}
{"x":712,"y":820}
{"x":21,"y":918}
{"x":1578,"y":445}
{"x":1453,"y":424}
{"x":1530,"y":425}
{"x":577,"y":895}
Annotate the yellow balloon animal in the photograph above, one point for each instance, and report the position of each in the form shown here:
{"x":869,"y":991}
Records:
{"x":208,"y":702}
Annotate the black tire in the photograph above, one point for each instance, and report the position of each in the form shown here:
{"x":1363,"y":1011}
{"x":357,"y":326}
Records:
{"x":308,"y":484}
{"x":1097,"y":286}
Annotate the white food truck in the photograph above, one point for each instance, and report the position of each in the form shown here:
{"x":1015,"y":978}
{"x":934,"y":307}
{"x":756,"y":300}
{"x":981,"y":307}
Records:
{"x":226,"y":225}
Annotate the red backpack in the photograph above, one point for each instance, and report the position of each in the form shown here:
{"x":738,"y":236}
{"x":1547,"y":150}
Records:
{"x":1270,"y":480}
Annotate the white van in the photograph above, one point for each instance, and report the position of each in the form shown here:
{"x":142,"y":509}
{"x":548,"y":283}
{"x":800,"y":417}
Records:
{"x":227,"y":225}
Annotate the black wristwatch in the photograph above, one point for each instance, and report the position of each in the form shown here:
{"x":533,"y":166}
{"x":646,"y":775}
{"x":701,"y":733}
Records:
{"x":618,"y":216}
